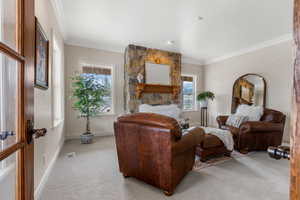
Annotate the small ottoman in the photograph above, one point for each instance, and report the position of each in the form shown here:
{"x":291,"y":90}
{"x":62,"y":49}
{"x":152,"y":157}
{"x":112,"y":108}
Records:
{"x":211,"y":146}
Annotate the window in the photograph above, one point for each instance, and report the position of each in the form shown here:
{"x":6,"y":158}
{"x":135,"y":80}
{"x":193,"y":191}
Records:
{"x":104,"y":77}
{"x":188,"y":92}
{"x":57,"y":84}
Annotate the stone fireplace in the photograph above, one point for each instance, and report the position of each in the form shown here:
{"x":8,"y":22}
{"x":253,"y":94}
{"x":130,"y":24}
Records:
{"x":136,"y":58}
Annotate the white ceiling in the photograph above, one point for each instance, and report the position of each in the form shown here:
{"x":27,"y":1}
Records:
{"x":228,"y":25}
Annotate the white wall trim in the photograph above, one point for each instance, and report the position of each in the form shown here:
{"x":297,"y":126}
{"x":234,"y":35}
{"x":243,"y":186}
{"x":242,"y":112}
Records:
{"x":189,"y":60}
{"x":76,"y":136}
{"x":40,"y":187}
{"x":59,"y":13}
{"x":121,"y":50}
{"x":268,"y":43}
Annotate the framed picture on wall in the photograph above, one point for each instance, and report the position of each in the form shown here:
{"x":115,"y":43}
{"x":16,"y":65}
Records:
{"x":41,"y":79}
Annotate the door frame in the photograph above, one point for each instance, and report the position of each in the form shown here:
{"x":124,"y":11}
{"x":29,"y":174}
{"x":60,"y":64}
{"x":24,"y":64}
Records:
{"x":25,"y":37}
{"x":295,"y":137}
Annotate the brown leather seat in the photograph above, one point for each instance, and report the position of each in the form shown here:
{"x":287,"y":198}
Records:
{"x":152,"y":148}
{"x":257,"y":135}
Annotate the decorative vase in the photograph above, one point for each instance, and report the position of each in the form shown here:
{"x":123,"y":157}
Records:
{"x":86,"y":138}
{"x":203,"y":103}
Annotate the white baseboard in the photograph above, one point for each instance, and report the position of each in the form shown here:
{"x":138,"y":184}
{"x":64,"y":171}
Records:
{"x":77,"y":135}
{"x":40,"y":187}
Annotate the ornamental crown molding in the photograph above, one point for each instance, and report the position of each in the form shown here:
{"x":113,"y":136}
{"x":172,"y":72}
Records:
{"x":190,"y":60}
{"x":268,"y":43}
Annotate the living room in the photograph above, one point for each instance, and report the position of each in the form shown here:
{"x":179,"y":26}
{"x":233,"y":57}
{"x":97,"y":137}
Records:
{"x":153,"y":100}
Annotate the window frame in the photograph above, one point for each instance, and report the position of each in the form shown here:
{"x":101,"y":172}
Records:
{"x":55,"y":47}
{"x":112,"y":69}
{"x":195,"y":79}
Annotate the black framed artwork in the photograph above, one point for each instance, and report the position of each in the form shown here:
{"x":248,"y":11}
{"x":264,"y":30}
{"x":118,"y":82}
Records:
{"x":41,"y":79}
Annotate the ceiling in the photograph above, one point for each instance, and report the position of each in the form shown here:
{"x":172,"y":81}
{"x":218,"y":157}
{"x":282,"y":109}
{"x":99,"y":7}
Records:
{"x":227,"y":26}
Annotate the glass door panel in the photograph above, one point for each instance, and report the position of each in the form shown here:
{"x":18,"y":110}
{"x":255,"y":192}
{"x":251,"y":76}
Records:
{"x":9,"y":100}
{"x":8,"y":177}
{"x":8,"y":23}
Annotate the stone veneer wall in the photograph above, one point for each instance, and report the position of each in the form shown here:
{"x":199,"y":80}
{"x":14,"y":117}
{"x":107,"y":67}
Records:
{"x":135,"y":59}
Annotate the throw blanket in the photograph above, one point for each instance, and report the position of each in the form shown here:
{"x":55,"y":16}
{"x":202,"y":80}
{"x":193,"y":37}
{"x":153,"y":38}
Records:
{"x":224,"y":135}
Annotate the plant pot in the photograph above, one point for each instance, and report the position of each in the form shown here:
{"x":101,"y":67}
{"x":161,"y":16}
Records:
{"x":86,"y":138}
{"x":203,"y":103}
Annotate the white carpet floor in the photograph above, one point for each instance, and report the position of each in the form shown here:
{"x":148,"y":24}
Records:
{"x":93,"y":174}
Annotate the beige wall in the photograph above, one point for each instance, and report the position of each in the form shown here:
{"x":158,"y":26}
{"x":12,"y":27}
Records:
{"x":75,"y":58}
{"x":273,"y":63}
{"x":46,"y":148}
{"x":103,"y":124}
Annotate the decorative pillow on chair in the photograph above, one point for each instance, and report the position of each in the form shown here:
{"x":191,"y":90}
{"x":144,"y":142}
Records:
{"x":253,"y":112}
{"x":236,"y":120}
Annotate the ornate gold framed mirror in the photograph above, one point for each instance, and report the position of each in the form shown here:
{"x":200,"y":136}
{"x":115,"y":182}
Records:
{"x":249,"y":89}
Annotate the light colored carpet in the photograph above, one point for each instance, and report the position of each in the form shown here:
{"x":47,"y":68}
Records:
{"x":93,"y":174}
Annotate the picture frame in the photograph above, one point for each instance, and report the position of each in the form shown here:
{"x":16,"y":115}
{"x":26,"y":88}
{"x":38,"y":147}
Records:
{"x":41,"y":69}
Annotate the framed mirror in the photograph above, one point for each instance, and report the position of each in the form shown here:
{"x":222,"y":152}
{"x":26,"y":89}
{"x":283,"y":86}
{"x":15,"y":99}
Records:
{"x":249,"y":89}
{"x":157,"y":74}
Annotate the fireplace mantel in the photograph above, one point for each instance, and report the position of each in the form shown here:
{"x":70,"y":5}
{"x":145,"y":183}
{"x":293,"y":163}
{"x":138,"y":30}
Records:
{"x":154,"y":88}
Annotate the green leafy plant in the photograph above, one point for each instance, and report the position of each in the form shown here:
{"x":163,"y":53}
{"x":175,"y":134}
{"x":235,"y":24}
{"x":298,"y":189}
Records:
{"x":89,"y":93}
{"x":206,"y":95}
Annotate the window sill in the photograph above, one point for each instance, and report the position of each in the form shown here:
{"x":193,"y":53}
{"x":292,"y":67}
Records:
{"x":105,"y":114}
{"x":189,"y":111}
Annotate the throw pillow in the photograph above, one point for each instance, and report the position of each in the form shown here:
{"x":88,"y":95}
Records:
{"x":236,"y":120}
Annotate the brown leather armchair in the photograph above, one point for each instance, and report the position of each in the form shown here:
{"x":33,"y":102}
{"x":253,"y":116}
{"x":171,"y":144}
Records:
{"x":257,"y":135}
{"x":153,"y":149}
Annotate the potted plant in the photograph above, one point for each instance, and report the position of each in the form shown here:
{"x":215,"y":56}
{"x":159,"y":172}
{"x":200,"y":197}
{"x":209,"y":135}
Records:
{"x":89,"y":93}
{"x":204,"y":97}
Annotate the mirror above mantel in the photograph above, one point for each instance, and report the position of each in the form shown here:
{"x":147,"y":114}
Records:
{"x":157,"y":80}
{"x":157,"y":74}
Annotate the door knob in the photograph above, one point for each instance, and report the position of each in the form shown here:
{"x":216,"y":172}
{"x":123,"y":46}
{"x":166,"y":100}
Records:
{"x":34,"y":133}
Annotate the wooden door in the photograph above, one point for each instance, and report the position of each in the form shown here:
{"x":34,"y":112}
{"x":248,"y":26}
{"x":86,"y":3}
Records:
{"x":17,"y":34}
{"x":295,"y":138}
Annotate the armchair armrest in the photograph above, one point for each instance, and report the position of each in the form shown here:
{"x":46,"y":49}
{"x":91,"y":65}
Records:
{"x":259,"y":126}
{"x":189,"y":140}
{"x":222,"y":120}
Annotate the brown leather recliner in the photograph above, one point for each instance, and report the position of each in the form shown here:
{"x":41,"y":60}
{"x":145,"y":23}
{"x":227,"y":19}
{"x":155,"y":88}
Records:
{"x":257,"y":135}
{"x":153,"y":149}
